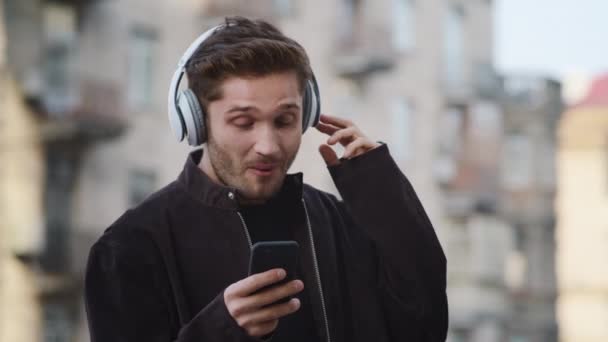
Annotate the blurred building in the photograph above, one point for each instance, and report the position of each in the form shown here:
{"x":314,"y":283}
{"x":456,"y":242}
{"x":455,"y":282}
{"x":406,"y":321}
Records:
{"x":582,"y":209}
{"x":20,"y":193}
{"x":21,"y":170}
{"x":411,"y":73}
{"x":497,"y":178}
{"x":52,"y":113}
{"x":92,"y":77}
{"x":532,"y":108}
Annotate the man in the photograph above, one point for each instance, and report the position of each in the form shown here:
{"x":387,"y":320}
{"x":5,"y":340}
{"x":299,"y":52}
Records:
{"x":175,"y":268}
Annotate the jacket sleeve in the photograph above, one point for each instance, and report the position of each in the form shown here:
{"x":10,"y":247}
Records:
{"x":379,"y":199}
{"x":128,"y":299}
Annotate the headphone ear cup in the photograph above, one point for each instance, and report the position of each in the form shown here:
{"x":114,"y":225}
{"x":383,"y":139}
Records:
{"x":306,"y":107}
{"x":315,"y":110}
{"x":177,"y":123}
{"x":193,"y":117}
{"x":311,"y":113}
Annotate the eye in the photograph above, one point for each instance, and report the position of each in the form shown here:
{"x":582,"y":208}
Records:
{"x":286,"y":119}
{"x":243,"y":122}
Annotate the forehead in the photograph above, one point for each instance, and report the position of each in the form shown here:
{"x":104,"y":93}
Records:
{"x":255,"y":88}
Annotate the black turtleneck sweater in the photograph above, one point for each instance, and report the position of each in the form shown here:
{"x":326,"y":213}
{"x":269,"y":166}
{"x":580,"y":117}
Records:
{"x":271,"y":222}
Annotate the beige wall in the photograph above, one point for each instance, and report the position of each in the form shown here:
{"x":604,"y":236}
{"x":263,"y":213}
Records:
{"x":582,"y":208}
{"x":21,"y":170}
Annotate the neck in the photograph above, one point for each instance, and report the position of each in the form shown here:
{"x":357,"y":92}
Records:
{"x":207,"y":168}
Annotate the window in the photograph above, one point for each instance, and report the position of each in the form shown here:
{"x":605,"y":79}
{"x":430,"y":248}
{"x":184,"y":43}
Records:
{"x":546,"y":164}
{"x":459,"y":335}
{"x":518,"y":338}
{"x":403,"y":24}
{"x":486,"y":122}
{"x":284,"y":8}
{"x":484,"y":135}
{"x":519,"y":231}
{"x":518,"y":162}
{"x":141,"y":67}
{"x":451,"y":136}
{"x":348,"y":23}
{"x":401,"y":128}
{"x":348,"y":99}
{"x":451,"y":129}
{"x":454,"y":45}
{"x":141,"y":184}
{"x":60,"y":40}
{"x":59,"y":183}
{"x":58,"y":326}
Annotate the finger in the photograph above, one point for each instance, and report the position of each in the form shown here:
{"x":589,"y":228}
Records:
{"x":344,"y":136}
{"x":359,"y":144}
{"x":270,"y":313}
{"x":279,"y":292}
{"x":336,"y":121}
{"x":327,"y":129}
{"x":329,"y":155}
{"x":255,"y":282}
{"x":270,"y":296}
{"x":263,"y":329}
{"x":359,"y":151}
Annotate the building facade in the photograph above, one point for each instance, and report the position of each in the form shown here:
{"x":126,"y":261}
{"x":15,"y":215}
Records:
{"x":415,"y":74}
{"x":532,"y":107}
{"x":582,"y":214}
{"x":396,"y":68}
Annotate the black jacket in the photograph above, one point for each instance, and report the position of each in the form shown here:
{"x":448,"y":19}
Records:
{"x":158,"y":273}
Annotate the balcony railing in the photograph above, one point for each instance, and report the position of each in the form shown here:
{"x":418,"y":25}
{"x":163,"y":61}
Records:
{"x":96,"y":113}
{"x":255,"y":9}
{"x":362,"y":49}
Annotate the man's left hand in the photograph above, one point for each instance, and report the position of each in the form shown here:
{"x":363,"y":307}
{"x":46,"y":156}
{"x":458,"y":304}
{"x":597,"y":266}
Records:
{"x":347,"y":134}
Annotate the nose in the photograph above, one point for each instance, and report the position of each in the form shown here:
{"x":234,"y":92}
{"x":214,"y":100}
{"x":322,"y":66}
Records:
{"x":267,"y":142}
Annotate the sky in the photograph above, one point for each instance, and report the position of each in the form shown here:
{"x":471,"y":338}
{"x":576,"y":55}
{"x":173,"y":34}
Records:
{"x":562,"y":39}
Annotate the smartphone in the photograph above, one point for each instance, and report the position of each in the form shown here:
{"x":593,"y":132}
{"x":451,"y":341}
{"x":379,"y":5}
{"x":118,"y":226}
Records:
{"x":266,"y":255}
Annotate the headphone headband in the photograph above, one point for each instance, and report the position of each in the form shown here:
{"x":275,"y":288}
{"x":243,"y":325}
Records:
{"x":186,"y":115}
{"x":177,"y":124}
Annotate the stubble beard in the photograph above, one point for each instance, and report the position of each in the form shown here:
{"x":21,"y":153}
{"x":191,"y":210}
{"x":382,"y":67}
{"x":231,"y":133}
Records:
{"x":234,"y":173}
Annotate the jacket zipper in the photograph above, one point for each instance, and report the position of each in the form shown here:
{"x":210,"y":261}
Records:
{"x":246,"y":230}
{"x":317,"y":273}
{"x":314,"y":259}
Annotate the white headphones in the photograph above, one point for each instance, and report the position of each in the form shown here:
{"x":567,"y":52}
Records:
{"x":186,"y":114}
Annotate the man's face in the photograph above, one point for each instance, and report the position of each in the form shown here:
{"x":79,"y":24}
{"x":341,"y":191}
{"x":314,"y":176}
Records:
{"x":255,"y":131}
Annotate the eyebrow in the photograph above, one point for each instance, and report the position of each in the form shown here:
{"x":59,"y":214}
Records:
{"x":290,"y":105}
{"x":240,"y":109}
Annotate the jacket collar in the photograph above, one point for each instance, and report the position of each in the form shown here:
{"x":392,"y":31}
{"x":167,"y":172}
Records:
{"x":198,"y":184}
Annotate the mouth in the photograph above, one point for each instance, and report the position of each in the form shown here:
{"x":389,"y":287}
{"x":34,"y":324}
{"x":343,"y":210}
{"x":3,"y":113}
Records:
{"x":264,"y":169}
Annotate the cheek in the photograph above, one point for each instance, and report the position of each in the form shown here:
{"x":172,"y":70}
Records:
{"x":240,"y":147}
{"x":292,"y":141}
{"x":229,"y":139}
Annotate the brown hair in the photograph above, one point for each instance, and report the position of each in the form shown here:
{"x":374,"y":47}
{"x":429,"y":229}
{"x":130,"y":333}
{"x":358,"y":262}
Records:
{"x":243,"y":48}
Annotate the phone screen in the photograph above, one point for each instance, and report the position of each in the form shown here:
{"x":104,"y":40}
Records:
{"x":267,"y":255}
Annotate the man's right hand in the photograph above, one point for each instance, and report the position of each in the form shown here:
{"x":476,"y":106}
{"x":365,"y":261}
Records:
{"x":252,"y":311}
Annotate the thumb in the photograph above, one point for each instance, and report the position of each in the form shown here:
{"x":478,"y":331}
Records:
{"x":328,"y":155}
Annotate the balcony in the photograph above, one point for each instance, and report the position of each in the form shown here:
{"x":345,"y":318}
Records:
{"x":63,"y":269}
{"x":474,"y":81}
{"x":362,"y":50}
{"x":96,"y":113}
{"x":358,"y":63}
{"x":487,"y":83}
{"x":43,"y":46}
{"x":266,"y":9}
